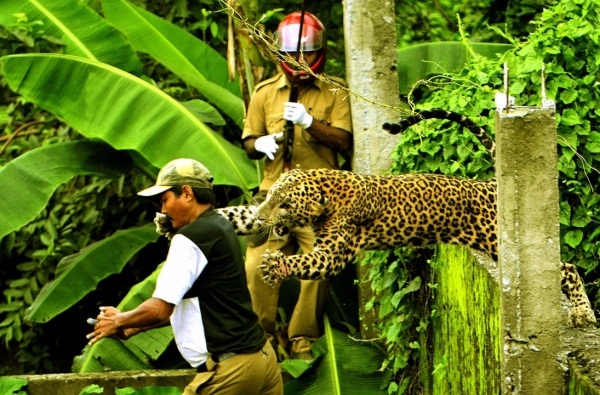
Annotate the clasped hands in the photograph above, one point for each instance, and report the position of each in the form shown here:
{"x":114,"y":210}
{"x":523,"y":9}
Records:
{"x":105,"y":326}
{"x":294,"y":112}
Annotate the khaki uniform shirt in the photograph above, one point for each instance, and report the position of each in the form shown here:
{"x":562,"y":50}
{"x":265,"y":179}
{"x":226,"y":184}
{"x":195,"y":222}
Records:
{"x":265,"y":116}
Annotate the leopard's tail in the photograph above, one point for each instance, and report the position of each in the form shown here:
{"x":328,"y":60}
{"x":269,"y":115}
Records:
{"x":482,"y":134}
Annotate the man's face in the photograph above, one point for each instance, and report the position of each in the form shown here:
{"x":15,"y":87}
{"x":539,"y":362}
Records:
{"x":177,"y":208}
{"x":310,"y":57}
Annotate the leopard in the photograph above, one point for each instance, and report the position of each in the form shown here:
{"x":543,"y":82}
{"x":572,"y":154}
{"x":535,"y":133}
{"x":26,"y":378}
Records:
{"x":351,"y":212}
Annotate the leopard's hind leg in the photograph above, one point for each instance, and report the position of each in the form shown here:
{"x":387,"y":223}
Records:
{"x":581,"y":313}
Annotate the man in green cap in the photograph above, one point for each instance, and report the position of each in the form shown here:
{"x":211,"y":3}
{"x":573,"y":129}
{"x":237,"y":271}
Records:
{"x":202,"y":291}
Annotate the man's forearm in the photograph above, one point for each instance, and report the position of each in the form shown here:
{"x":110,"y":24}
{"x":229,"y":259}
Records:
{"x":330,"y":136}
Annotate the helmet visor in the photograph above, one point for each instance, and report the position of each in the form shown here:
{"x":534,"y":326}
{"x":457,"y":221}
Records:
{"x":287,"y":38}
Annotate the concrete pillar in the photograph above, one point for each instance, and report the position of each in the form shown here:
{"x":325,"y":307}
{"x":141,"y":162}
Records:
{"x":371,"y":72}
{"x":529,"y":251}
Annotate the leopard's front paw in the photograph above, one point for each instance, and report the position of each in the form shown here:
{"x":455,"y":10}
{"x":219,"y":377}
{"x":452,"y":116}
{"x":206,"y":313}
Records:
{"x":273,"y":267}
{"x":164,"y":226}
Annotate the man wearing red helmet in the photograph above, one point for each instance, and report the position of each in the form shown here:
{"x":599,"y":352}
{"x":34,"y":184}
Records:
{"x":322,"y":128}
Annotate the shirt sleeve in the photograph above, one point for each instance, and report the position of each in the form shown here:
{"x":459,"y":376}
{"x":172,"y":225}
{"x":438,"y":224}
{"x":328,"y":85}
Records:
{"x":341,"y":116}
{"x":184,"y":264}
{"x":254,"y":126}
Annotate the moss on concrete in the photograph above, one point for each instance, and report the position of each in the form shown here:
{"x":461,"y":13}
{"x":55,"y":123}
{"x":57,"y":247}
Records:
{"x":467,"y":342}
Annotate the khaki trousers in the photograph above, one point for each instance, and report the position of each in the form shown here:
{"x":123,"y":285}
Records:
{"x":305,"y":322}
{"x":242,"y":374}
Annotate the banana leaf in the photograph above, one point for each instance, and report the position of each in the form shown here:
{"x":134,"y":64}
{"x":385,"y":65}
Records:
{"x":80,"y":273}
{"x":152,"y":390}
{"x":418,"y":62}
{"x":103,"y":102}
{"x":191,"y":59}
{"x":342,"y":366}
{"x":135,"y":353}
{"x":12,"y":385}
{"x":29,"y":181}
{"x":82,"y":30}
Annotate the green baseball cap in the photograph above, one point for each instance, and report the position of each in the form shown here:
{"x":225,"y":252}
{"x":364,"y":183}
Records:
{"x":182,"y":171}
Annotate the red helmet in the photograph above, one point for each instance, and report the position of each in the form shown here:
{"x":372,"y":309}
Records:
{"x":313,"y":39}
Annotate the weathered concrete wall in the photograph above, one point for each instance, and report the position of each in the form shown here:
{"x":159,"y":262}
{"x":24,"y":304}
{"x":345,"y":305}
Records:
{"x":529,"y":251}
{"x":467,"y":347}
{"x":72,"y":384}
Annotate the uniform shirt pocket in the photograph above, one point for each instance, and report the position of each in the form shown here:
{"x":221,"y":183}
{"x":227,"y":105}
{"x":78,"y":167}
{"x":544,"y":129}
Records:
{"x":275,"y":124}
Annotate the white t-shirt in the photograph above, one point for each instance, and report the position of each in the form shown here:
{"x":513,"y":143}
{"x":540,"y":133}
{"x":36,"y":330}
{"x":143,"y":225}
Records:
{"x":183,"y":266}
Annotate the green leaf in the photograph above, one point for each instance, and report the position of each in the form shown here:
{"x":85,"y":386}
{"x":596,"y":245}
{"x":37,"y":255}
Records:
{"x":103,"y":102}
{"x":134,"y":353}
{"x":593,"y":142}
{"x":78,"y":274}
{"x":190,"y":58}
{"x":412,"y":286}
{"x":570,"y":117}
{"x":92,"y":389}
{"x":580,"y":218}
{"x":29,"y":181}
{"x":568,"y":96}
{"x":573,"y":238}
{"x":565,"y":213}
{"x":204,"y":112}
{"x":342,"y":366}
{"x":82,"y":30}
{"x":10,"y":385}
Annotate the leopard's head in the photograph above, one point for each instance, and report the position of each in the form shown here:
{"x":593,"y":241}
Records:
{"x":294,"y":200}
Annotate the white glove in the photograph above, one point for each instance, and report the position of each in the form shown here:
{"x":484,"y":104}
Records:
{"x":267,"y":144}
{"x":296,"y":113}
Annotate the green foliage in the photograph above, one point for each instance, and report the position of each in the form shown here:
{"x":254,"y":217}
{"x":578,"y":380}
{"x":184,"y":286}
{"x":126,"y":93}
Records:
{"x":567,"y":43}
{"x":92,"y":389}
{"x":341,"y":366}
{"x":84,"y":210}
{"x":151,"y":390}
{"x":44,"y":169}
{"x":74,"y":215}
{"x":139,"y":351}
{"x":416,"y":23}
{"x":399,"y":282}
{"x":12,"y":386}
